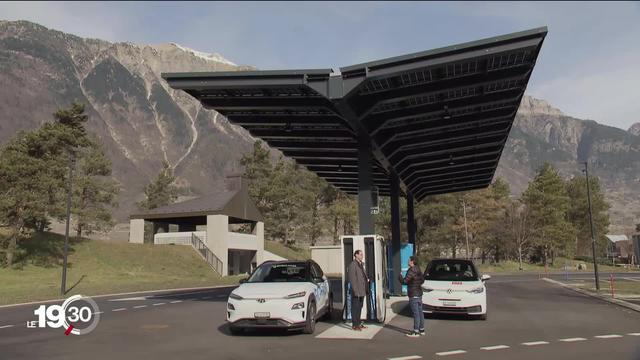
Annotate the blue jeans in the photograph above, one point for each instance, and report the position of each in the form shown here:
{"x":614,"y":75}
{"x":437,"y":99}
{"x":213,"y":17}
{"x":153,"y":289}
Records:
{"x":418,"y":315}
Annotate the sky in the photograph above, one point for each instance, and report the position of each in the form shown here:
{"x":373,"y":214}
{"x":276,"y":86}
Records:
{"x":589,"y":66}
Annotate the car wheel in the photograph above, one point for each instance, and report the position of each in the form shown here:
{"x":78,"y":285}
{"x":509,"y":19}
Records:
{"x":235,"y":330}
{"x":310,"y":325}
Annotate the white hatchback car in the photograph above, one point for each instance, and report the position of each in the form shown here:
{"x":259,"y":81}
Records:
{"x":281,"y":294}
{"x":453,"y":286}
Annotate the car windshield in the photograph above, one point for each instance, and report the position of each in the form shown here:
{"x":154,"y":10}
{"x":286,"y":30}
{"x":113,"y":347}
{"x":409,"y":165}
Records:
{"x":451,"y":270}
{"x":288,"y":272}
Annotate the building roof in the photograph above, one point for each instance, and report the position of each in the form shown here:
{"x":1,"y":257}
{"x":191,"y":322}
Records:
{"x":438,"y":119}
{"x":234,"y":203}
{"x":616,"y":238}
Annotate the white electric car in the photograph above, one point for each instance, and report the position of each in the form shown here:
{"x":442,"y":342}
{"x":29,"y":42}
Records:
{"x":453,"y":286}
{"x":281,"y":294}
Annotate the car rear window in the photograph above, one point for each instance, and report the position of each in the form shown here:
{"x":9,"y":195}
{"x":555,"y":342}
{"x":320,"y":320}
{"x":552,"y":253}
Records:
{"x":288,"y":272}
{"x":451,"y":270}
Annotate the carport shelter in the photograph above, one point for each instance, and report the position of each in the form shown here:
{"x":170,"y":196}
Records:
{"x":421,"y":124}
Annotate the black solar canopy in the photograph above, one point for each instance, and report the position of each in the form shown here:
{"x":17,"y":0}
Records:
{"x":438,"y":119}
{"x":427,"y":123}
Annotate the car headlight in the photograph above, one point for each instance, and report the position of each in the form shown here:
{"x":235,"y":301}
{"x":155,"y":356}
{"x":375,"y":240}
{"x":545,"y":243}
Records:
{"x":297,"y":306}
{"x":235,"y":297}
{"x":477,"y":290}
{"x":426,"y":289}
{"x":296,"y":295}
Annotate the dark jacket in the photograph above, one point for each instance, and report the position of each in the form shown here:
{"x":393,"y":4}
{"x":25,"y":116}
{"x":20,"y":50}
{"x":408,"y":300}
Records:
{"x":413,"y":279}
{"x":358,"y":279}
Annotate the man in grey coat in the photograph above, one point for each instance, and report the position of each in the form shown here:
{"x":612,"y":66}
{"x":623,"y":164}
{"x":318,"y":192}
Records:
{"x":359,"y":281}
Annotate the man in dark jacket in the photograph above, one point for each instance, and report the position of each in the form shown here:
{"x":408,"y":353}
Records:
{"x":414,"y":279}
{"x":357,"y":277}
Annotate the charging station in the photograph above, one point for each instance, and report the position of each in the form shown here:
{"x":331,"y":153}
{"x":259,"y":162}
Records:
{"x":375,"y":266}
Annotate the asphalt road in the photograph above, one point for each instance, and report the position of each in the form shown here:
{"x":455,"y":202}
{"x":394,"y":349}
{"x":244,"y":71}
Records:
{"x":528,"y":319}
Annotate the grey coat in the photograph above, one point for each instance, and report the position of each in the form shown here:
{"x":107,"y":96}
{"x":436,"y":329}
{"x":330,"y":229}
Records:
{"x":358,"y":279}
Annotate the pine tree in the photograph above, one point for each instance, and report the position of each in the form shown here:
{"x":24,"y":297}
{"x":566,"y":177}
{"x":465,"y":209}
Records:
{"x":94,"y":191}
{"x":579,"y":213}
{"x":548,"y":202}
{"x":161,"y":191}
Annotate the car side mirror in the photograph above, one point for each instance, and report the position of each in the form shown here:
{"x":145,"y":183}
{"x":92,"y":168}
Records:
{"x":242,"y":281}
{"x":485,"y":277}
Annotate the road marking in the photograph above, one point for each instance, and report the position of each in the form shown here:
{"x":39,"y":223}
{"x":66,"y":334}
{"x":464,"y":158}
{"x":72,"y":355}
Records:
{"x":130,"y":298}
{"x":453,"y":352}
{"x":158,"y":304}
{"x":411,"y":357}
{"x":120,"y":309}
{"x":206,"y":297}
{"x":573,"y":339}
{"x":612,"y":336}
{"x":633,"y":334}
{"x":98,"y":312}
{"x":496,"y":347}
{"x":534,"y":343}
{"x":139,"y":306}
{"x":175,"y":301}
{"x":6,"y":326}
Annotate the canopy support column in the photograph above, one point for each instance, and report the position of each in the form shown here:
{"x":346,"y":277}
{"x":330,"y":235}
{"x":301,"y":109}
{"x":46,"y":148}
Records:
{"x":365,"y":187}
{"x":411,"y":221}
{"x":395,"y":233}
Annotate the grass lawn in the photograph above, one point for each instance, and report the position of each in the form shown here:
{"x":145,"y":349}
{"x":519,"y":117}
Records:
{"x":558,"y":266}
{"x":291,"y":253}
{"x":620,"y":287}
{"x":97,"y":267}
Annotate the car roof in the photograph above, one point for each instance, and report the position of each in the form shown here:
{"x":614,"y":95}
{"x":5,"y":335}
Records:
{"x":287,"y":262}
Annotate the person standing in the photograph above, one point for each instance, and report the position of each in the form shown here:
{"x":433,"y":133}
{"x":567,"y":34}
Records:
{"x":357,"y":277}
{"x":414,"y":279}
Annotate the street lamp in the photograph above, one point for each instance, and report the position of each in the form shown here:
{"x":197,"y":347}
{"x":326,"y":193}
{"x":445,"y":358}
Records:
{"x":593,"y":238}
{"x":63,"y":286}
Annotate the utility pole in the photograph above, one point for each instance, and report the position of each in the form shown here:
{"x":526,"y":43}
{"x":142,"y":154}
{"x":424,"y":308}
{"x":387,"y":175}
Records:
{"x":466,"y":232}
{"x":593,"y":238}
{"x":63,"y":286}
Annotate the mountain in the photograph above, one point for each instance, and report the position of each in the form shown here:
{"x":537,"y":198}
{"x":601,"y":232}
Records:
{"x":542,"y":133}
{"x":142,"y":121}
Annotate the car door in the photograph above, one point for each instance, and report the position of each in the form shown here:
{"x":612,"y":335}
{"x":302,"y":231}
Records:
{"x":321,"y":290}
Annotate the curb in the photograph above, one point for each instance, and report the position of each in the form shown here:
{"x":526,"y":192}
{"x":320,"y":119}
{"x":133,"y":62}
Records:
{"x":618,"y":302}
{"x":118,"y":294}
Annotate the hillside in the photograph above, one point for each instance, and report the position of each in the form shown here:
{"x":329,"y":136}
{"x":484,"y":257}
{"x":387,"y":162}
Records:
{"x":143,"y":122}
{"x":97,"y":267}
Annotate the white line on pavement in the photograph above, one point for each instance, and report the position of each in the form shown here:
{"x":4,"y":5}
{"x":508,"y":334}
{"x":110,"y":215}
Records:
{"x":6,"y":326}
{"x":139,"y":306}
{"x":612,"y":336}
{"x":120,"y":309}
{"x":496,"y":347}
{"x":175,"y":301}
{"x":634,"y":334}
{"x":411,"y":357}
{"x":158,"y":304}
{"x":572,"y":339}
{"x":453,"y":352}
{"x":534,"y":343}
{"x":98,"y":312}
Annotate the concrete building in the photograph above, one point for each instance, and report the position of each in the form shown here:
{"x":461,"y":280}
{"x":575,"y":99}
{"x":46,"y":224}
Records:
{"x":226,"y":228}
